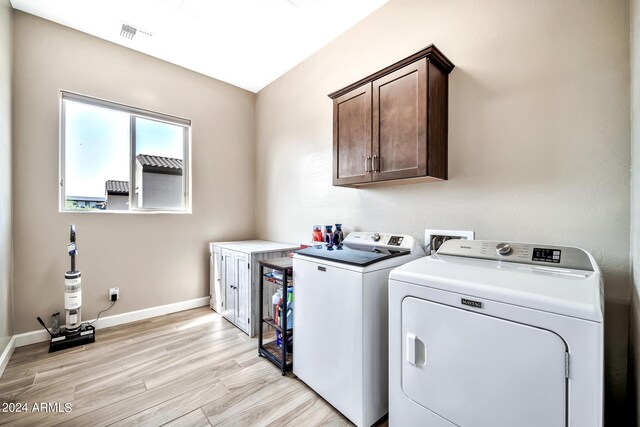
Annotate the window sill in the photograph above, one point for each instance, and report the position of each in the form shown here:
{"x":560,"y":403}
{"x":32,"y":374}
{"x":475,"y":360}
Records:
{"x":137,"y":212}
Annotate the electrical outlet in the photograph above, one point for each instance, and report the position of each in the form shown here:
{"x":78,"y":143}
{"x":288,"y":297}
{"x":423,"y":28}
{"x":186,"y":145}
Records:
{"x":434,"y":238}
{"x":114,"y":294}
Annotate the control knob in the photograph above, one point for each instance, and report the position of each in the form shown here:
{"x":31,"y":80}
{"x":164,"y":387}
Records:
{"x":375,"y":237}
{"x":503,"y":249}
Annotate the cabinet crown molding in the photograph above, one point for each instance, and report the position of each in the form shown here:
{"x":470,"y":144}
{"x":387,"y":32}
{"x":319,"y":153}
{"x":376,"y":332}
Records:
{"x":431,"y":52}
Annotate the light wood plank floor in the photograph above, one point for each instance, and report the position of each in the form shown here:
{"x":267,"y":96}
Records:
{"x":191,"y":368}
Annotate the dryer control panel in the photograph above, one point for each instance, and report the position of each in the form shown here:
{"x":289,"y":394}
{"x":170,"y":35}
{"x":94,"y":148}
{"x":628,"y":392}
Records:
{"x":522,"y":253}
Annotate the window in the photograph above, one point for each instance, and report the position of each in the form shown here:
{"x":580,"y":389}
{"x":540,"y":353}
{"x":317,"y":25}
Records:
{"x":119,"y":158}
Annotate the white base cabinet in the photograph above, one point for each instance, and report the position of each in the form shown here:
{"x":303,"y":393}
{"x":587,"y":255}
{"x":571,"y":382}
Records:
{"x":235,"y":279}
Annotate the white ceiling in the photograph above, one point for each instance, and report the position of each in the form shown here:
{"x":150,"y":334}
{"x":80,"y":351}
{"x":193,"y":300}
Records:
{"x":248,"y":43}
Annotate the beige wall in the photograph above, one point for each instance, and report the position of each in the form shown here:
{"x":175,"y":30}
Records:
{"x":634,"y":335}
{"x":538,"y":136}
{"x":6,"y":260}
{"x":154,"y":259}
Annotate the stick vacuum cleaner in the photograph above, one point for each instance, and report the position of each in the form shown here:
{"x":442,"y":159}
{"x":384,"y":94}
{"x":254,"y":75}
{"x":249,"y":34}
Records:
{"x":74,"y":333}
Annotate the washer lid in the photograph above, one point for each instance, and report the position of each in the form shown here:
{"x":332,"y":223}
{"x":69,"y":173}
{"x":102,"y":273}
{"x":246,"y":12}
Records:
{"x":352,"y":254}
{"x":574,"y":293}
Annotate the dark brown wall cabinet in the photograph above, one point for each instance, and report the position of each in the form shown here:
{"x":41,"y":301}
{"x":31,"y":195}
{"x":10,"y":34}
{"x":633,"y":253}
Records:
{"x":392,"y":125}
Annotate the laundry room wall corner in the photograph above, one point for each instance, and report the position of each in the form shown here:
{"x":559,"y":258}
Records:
{"x":6,"y":195}
{"x":634,"y":311}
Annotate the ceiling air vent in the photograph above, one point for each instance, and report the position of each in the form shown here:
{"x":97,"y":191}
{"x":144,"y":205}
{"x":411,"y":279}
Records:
{"x":128,"y":31}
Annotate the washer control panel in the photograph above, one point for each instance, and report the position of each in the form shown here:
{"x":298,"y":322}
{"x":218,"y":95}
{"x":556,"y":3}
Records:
{"x":395,"y":241}
{"x":523,"y":253}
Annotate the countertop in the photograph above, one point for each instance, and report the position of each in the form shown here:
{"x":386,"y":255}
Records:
{"x":255,"y":246}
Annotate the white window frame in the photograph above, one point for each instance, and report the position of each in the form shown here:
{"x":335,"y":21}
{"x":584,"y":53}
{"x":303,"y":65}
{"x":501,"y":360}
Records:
{"x":133,"y":113}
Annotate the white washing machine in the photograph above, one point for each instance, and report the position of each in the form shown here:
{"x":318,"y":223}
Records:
{"x":495,"y":334}
{"x":340,"y":320}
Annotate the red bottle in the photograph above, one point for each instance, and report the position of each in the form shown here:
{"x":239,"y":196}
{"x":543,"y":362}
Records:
{"x":317,"y":234}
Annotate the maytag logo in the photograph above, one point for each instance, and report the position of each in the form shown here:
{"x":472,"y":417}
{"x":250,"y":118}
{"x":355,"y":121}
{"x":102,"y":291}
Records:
{"x":471,"y":303}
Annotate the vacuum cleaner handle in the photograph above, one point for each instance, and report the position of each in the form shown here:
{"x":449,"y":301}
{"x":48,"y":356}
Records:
{"x":44,"y":326}
{"x":71,"y":247}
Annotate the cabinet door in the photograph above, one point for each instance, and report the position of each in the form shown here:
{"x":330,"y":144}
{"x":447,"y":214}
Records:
{"x":229,"y":310}
{"x":400,"y":123}
{"x":216,"y":287}
{"x":242,"y":290}
{"x":352,"y":137}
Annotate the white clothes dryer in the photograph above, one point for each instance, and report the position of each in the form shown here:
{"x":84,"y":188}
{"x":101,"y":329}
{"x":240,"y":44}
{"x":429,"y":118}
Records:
{"x":496,"y":334}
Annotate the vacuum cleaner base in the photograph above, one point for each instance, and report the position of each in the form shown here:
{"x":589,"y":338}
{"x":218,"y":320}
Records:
{"x":68,"y":339}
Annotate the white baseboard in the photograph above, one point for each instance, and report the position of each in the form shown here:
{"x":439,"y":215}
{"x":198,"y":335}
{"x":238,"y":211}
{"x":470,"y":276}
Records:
{"x":34,"y":337}
{"x":6,"y":354}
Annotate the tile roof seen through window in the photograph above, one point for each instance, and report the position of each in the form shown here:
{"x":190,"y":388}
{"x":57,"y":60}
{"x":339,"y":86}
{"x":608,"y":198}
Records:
{"x":117,"y":187}
{"x":159,"y":162}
